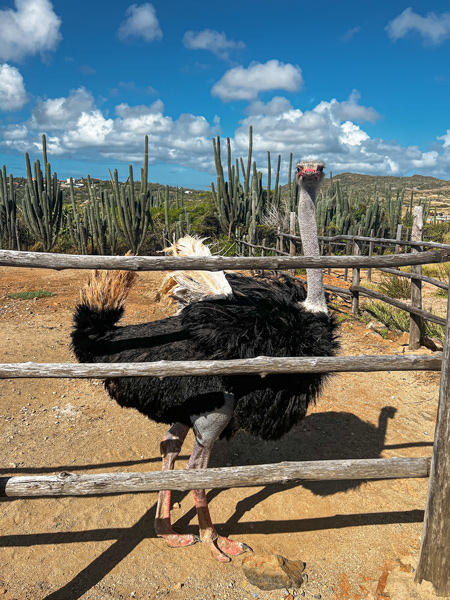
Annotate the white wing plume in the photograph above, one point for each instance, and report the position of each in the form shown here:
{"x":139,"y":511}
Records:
{"x":193,"y":286}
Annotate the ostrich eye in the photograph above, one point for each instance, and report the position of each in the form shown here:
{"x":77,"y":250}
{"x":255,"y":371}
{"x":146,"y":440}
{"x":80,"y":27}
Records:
{"x":299,"y":168}
{"x":320,"y":168}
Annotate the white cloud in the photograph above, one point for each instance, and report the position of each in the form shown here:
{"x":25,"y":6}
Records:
{"x":211,"y":40}
{"x":125,"y":111}
{"x":276,"y":106}
{"x":433,"y":28}
{"x":328,"y":132}
{"x":350,"y":33}
{"x":32,"y":28}
{"x":141,"y":22}
{"x":91,"y":130}
{"x":12,"y":89}
{"x":77,"y":128}
{"x":350,"y":109}
{"x":245,"y":84}
{"x":352,"y":135}
{"x":62,"y":113}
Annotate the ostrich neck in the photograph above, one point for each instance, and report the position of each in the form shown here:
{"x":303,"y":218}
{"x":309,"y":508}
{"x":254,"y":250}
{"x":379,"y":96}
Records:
{"x":315,"y":298}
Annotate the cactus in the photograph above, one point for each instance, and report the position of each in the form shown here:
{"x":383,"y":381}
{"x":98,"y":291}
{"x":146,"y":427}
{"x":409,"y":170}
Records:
{"x":102,"y":225}
{"x":132,"y":216}
{"x":240,"y":203}
{"x":42,"y":203}
{"x":166,"y":213}
{"x":8,"y":212}
{"x":77,"y":226}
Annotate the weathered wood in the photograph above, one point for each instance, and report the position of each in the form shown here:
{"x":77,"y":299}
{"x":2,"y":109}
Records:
{"x":402,"y":305}
{"x":337,"y":290}
{"x":378,"y":241}
{"x":356,"y":279}
{"x":70,"y":484}
{"x":264,"y":247}
{"x":329,"y":254}
{"x":262,"y":366}
{"x":415,"y":321}
{"x":292,"y":247}
{"x":347,"y":252}
{"x":398,"y":237}
{"x":431,"y":280}
{"x":369,"y":271}
{"x":434,"y":558}
{"x":45,"y":260}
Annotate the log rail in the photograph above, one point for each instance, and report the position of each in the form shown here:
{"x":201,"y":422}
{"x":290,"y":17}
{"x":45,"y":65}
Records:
{"x":72,"y":484}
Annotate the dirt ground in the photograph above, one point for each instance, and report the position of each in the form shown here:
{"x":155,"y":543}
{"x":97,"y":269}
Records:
{"x":359,"y":540}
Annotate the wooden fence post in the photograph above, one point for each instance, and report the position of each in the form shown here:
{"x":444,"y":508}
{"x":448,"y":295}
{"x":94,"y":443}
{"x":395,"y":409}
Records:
{"x":356,"y":278}
{"x":292,"y":249}
{"x":434,"y":557}
{"x":398,"y":237}
{"x":329,"y":254}
{"x":347,"y":252}
{"x":415,"y":322}
{"x":279,"y":242}
{"x":369,"y":270}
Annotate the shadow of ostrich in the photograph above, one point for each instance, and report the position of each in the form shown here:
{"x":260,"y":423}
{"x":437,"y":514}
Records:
{"x":320,"y":436}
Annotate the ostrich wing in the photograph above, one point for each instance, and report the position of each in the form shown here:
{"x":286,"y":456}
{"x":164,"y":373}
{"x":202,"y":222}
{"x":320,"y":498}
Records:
{"x":193,"y":286}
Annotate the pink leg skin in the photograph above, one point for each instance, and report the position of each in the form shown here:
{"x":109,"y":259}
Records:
{"x":219,"y":546}
{"x":170,"y":448}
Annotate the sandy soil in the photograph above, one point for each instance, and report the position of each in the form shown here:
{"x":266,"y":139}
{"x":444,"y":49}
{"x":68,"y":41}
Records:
{"x":359,"y":539}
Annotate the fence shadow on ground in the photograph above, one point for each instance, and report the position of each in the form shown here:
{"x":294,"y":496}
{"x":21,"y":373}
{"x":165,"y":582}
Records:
{"x":320,"y":436}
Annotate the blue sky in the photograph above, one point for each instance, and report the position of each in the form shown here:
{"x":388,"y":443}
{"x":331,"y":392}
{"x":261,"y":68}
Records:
{"x":364,"y":85}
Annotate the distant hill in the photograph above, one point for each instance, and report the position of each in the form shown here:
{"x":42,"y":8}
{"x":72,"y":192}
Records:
{"x":415,"y":182}
{"x":423,"y":186}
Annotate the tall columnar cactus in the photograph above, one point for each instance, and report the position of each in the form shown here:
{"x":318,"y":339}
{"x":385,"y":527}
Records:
{"x":240,"y":203}
{"x":77,"y":225}
{"x":346,"y":211}
{"x":9,"y":237}
{"x":102,"y":225}
{"x":166,"y":212}
{"x":42,"y":203}
{"x":132,"y":216}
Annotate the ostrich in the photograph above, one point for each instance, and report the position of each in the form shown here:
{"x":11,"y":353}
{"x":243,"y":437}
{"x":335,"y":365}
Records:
{"x":239,"y":317}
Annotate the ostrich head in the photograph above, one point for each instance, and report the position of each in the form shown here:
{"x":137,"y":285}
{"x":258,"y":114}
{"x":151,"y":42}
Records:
{"x":310,"y":173}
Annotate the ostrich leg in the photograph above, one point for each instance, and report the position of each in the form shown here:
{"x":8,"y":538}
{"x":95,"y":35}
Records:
{"x":207,"y":429}
{"x":170,"y":449}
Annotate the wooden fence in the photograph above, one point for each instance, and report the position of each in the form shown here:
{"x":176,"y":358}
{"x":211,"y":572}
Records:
{"x":435,"y":549}
{"x":357,"y":244}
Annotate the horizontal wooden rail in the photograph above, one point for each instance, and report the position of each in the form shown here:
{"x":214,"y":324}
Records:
{"x":402,"y":305}
{"x":262,"y":365}
{"x":337,"y":290}
{"x":431,"y":280}
{"x":70,"y":484}
{"x":261,"y":247}
{"x":361,"y":238}
{"x":59,"y":262}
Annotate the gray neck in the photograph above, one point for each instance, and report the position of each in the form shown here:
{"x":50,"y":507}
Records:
{"x":315,"y":298}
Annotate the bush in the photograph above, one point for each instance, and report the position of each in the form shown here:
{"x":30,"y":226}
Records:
{"x":394,"y":286}
{"x":395,"y":318}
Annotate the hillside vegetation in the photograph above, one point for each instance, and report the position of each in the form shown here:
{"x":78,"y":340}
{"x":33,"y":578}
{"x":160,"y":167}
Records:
{"x":89,"y":216}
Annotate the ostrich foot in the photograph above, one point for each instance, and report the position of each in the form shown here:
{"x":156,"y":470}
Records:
{"x":221,"y":546}
{"x":173,"y":539}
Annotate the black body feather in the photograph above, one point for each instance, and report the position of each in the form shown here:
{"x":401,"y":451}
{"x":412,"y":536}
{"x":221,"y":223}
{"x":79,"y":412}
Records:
{"x":261,"y":318}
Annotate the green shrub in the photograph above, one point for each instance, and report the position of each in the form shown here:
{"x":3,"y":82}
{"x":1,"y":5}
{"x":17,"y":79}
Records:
{"x":30,"y":295}
{"x":395,"y":318}
{"x":394,"y":286}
